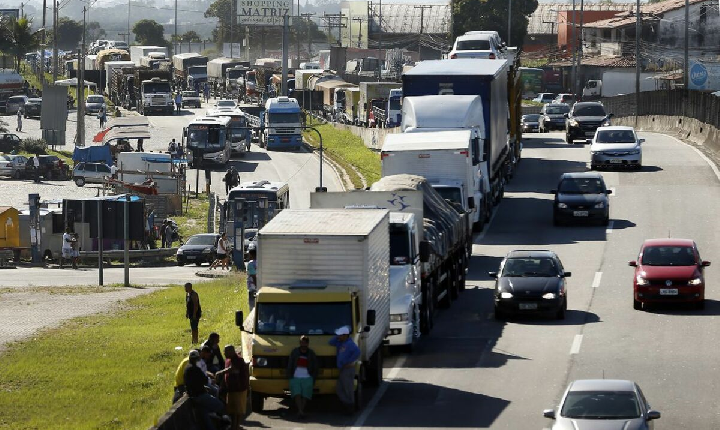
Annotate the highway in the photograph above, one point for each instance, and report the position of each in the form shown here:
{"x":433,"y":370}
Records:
{"x":476,"y":372}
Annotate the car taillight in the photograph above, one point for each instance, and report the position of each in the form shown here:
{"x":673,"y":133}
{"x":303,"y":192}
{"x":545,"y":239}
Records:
{"x":492,"y":56}
{"x":453,"y":56}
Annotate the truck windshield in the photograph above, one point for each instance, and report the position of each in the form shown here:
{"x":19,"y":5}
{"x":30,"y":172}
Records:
{"x":399,"y":246}
{"x":395,"y":104}
{"x":156,"y":87}
{"x":305,"y":318}
{"x":450,"y":193}
{"x":234,"y":74}
{"x":204,"y":137}
{"x":284,"y":118}
{"x":197,"y":70}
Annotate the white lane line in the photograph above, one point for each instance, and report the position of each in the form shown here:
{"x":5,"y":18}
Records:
{"x":379,"y":393}
{"x":575,"y":348}
{"x":609,"y":228}
{"x":596,"y":279}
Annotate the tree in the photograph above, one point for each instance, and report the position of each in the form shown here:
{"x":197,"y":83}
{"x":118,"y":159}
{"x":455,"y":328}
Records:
{"x":149,"y":32}
{"x":18,"y":38}
{"x":222,"y":10}
{"x":190,"y":36}
{"x":493,"y":15}
{"x":69,"y":33}
{"x":93,"y":31}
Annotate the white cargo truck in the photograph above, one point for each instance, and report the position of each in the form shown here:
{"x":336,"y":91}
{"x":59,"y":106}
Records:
{"x":138,"y":52}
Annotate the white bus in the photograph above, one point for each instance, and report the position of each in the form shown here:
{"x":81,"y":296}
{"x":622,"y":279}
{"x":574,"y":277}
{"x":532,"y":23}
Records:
{"x":207,"y":141}
{"x":240,"y":135}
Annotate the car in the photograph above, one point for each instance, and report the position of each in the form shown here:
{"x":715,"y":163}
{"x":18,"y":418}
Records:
{"x":591,"y":404}
{"x":198,"y":249}
{"x":94,"y":104}
{"x":616,"y":146}
{"x":14,"y":104}
{"x":9,"y":142}
{"x":545,"y":98}
{"x":478,"y":44}
{"x":564,"y":98}
{"x":584,"y":119}
{"x":226,"y":104}
{"x":669,"y":271}
{"x":84,"y":173}
{"x":530,"y":122}
{"x":190,"y":98}
{"x":530,"y":281}
{"x":33,"y":108}
{"x":581,"y":197}
{"x":51,"y":168}
{"x":552,"y":117}
{"x":12,"y":165}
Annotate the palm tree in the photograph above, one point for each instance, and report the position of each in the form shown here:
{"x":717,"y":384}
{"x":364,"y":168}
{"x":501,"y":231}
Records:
{"x":4,"y":38}
{"x":20,"y":38}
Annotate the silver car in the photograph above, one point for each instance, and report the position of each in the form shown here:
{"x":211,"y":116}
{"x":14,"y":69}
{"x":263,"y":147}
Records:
{"x":84,"y":173}
{"x":607,"y":404}
{"x":94,"y":104}
{"x":12,"y":165}
{"x":616,"y":146}
{"x":15,"y":104}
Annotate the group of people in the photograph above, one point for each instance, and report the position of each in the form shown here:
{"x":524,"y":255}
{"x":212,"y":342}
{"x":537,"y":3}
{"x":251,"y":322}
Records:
{"x":222,"y":253}
{"x":168,"y":234}
{"x":231,"y":179}
{"x":69,"y":251}
{"x":175,"y":149}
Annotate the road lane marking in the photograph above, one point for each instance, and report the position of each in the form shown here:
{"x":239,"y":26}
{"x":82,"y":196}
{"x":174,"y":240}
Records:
{"x":575,"y":348}
{"x":379,"y":393}
{"x":596,"y":279}
{"x":609,"y":228}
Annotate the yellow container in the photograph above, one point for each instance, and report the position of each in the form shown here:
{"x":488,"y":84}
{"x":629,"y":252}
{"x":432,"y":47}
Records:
{"x":9,"y":227}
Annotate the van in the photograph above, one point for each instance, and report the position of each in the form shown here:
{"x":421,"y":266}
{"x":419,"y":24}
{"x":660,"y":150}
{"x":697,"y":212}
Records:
{"x":15,"y":104}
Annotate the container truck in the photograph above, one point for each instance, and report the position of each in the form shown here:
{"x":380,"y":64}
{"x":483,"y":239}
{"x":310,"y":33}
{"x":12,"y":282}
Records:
{"x":373,"y":94}
{"x":155,"y":60}
{"x":110,"y":55}
{"x":319,"y":270}
{"x":182,"y":62}
{"x":138,"y":52}
{"x":153,"y":92}
{"x":110,"y":67}
{"x":478,"y":77}
{"x":282,"y":124}
{"x":216,"y":70}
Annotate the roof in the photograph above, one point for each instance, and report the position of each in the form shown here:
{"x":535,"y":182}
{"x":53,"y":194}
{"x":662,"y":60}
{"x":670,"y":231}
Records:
{"x":324,"y":222}
{"x":530,"y":253}
{"x":221,"y":120}
{"x":127,"y":133}
{"x":581,"y":175}
{"x":652,"y":9}
{"x":668,"y":242}
{"x":428,"y":141}
{"x":617,"y":127}
{"x":129,"y":121}
{"x":406,"y":18}
{"x":261,"y":185}
{"x":545,"y":18}
{"x":599,"y":61}
{"x":602,"y":385}
{"x":460,"y":66}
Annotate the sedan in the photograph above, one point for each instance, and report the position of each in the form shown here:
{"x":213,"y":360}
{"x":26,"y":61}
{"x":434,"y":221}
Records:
{"x":530,"y":122}
{"x":564,"y":98}
{"x":606,"y":404}
{"x":12,"y":165}
{"x":581,"y":197}
{"x":616,"y":146}
{"x":94,"y":104}
{"x":544,"y":98}
{"x":198,"y":249}
{"x":33,"y":108}
{"x":530,"y":281}
{"x":669,"y":271}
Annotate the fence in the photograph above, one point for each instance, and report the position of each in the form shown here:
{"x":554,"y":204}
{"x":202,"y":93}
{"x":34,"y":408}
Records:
{"x":704,"y":107}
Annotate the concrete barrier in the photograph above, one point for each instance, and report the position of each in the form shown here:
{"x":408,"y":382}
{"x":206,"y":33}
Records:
{"x":179,"y":417}
{"x":689,"y":129}
{"x":372,"y":137}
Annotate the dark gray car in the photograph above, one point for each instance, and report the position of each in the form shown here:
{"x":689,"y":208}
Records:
{"x":603,"y":404}
{"x":581,"y":197}
{"x":552,"y":117}
{"x":584,"y":119}
{"x":199,"y":249}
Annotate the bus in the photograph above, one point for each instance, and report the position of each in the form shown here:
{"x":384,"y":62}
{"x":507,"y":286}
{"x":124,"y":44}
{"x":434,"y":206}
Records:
{"x":207,"y":141}
{"x":240,"y":134}
{"x":532,"y":81}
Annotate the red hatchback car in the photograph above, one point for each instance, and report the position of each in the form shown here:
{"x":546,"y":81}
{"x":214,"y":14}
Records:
{"x":669,"y":270}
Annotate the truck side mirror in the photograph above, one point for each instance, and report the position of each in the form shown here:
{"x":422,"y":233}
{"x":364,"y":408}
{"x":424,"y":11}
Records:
{"x":471,"y":203}
{"x":370,"y":317}
{"x":424,"y":251}
{"x":610,"y":115}
{"x":239,"y":319}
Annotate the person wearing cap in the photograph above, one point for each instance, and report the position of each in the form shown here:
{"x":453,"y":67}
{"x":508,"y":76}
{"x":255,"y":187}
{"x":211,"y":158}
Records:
{"x":347,"y":354}
{"x":237,"y":383}
{"x":195,"y":382}
{"x":302,"y":370}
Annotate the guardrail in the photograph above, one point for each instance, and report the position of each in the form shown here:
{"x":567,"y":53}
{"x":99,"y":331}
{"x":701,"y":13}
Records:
{"x":119,"y":254}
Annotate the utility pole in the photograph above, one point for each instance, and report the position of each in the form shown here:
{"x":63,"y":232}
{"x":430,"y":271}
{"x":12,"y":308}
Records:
{"x":359,"y":20}
{"x":307,"y":16}
{"x":177,"y":42}
{"x":574,"y":50}
{"x":380,"y":56}
{"x":638,"y":35}
{"x":285,"y":53}
{"x":80,"y":137}
{"x":232,"y":25}
{"x":422,"y":23}
{"x":509,"y":21}
{"x":42,"y":49}
{"x":686,"y":72}
{"x":55,"y":38}
{"x":128,"y":30}
{"x":297,"y":35}
{"x":579,"y":49}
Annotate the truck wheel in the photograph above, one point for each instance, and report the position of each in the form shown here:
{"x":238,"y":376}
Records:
{"x":79,"y":182}
{"x":258,"y":402}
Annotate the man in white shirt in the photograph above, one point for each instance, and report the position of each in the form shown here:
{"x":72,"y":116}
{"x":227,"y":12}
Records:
{"x":113,"y":171}
{"x":67,"y":248}
{"x":36,"y":165}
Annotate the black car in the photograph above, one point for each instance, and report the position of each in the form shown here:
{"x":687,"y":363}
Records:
{"x":198,"y":249}
{"x":529,"y":122}
{"x":9,"y":142}
{"x":530,"y":282}
{"x":584,"y":119}
{"x":33,"y":108}
{"x":552,"y":117}
{"x":51,"y":168}
{"x":581,"y":197}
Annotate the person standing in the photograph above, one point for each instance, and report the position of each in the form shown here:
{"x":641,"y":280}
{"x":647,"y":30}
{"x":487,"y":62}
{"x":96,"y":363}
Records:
{"x":206,"y":91}
{"x":140,"y":146}
{"x":347,"y":354}
{"x":228,"y":180}
{"x":172,"y":147}
{"x":252,"y":273}
{"x":113,"y":171}
{"x":221,"y":253}
{"x":19,"y":120}
{"x":302,"y":370}
{"x":193,"y":310}
{"x":178,"y":101}
{"x":237,"y":383}
{"x":67,"y":248}
{"x":103,"y":117}
{"x":195,"y":381}
{"x":36,"y":167}
{"x":168,"y":234}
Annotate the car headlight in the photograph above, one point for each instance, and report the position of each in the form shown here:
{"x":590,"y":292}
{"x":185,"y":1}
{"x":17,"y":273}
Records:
{"x":260,"y":361}
{"x":549,"y":296}
{"x":179,"y":251}
{"x":641,"y":281}
{"x":696,"y":281}
{"x":562,"y":206}
{"x":600,"y":205}
{"x":634,"y":152}
{"x":506,"y":295}
{"x":399,"y":317}
{"x":207,"y":251}
{"x":573,"y":123}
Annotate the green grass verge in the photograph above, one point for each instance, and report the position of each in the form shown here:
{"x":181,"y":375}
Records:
{"x":111,"y":371}
{"x":347,"y":150}
{"x":531,"y":103}
{"x":194,"y":220}
{"x":65,"y":156}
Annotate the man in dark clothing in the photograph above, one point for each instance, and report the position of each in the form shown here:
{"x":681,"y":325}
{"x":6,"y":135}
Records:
{"x":195,"y":381}
{"x":237,"y":383}
{"x":216,"y":361}
{"x":228,"y":180}
{"x":193,"y":311}
{"x":302,"y":370}
{"x":347,"y":354}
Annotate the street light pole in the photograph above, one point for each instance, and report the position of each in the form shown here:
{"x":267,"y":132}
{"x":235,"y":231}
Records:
{"x":509,"y":21}
{"x":638,"y":34}
{"x":175,"y":46}
{"x":686,"y":74}
{"x":55,"y":47}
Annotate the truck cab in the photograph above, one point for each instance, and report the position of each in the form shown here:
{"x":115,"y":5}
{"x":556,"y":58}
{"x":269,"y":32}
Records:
{"x":394,"y":109}
{"x":196,"y":75}
{"x":156,"y":96}
{"x":592,"y":90}
{"x":283,"y":127}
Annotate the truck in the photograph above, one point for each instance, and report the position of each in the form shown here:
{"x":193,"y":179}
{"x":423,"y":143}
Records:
{"x":216,"y":70}
{"x":153,"y":92}
{"x":373,"y":94}
{"x":321,"y":269}
{"x":329,"y":87}
{"x":351,"y":102}
{"x":485,"y":78}
{"x":235,"y":81}
{"x":110,"y":67}
{"x":182,"y":62}
{"x":388,"y":114}
{"x":138,"y":52}
{"x":110,"y":55}
{"x":282,"y":124}
{"x":614,"y":83}
{"x":155,"y":60}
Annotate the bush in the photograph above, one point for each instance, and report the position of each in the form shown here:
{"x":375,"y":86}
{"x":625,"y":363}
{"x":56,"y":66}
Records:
{"x":34,"y":146}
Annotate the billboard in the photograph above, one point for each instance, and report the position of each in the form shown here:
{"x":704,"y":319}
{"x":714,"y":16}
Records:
{"x":15,"y":13}
{"x":262,"y":12}
{"x":704,"y":76}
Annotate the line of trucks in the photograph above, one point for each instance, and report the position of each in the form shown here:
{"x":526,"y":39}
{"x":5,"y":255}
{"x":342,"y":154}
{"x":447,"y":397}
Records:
{"x":382,"y":260}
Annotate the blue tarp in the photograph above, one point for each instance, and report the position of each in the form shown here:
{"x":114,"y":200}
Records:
{"x":93,"y":154}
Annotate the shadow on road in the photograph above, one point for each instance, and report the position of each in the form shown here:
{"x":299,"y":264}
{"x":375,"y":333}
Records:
{"x":621,"y":224}
{"x":712,"y":308}
{"x":572,"y":317}
{"x":540,"y":175}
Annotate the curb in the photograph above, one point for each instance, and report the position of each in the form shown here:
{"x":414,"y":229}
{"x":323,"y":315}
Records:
{"x":213,"y":274}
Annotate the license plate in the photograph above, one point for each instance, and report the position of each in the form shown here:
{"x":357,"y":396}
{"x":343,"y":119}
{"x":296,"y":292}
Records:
{"x":528,"y":306}
{"x":580,"y":213}
{"x":615,"y":161}
{"x":190,"y":257}
{"x":668,"y":292}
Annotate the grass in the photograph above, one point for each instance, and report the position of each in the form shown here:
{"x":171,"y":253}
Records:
{"x":194,"y":220}
{"x":63,"y":291}
{"x":65,"y":156}
{"x":111,"y":371}
{"x":532,"y":103}
{"x":347,"y":150}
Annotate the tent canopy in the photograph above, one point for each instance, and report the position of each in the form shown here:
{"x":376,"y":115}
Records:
{"x":74,"y":83}
{"x":127,"y":133}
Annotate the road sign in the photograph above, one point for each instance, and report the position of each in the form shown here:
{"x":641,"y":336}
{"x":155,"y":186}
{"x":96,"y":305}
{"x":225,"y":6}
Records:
{"x":262,"y":12}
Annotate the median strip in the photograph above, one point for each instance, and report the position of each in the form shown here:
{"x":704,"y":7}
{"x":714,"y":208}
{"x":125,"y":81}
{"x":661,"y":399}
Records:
{"x":577,"y":342}
{"x":596,"y":279}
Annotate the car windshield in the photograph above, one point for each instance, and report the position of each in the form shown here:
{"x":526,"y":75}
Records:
{"x":95,"y":99}
{"x":226,"y":103}
{"x":305,"y":318}
{"x":531,"y":118}
{"x":590,"y":110}
{"x":201,"y":240}
{"x":601,"y":405}
{"x":190,"y":94}
{"x":668,"y":256}
{"x":529,"y":267}
{"x":581,"y":186}
{"x":557,"y":110}
{"x":473,"y":45}
{"x":615,"y":136}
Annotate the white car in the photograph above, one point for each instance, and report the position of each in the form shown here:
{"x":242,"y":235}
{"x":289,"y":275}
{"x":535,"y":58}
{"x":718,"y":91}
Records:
{"x":478,"y":44}
{"x":90,"y":173}
{"x":616,"y":146}
{"x":12,"y":165}
{"x":226,"y":104}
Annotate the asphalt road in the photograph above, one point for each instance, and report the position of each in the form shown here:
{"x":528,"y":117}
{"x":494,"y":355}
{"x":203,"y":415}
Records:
{"x":475,"y":372}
